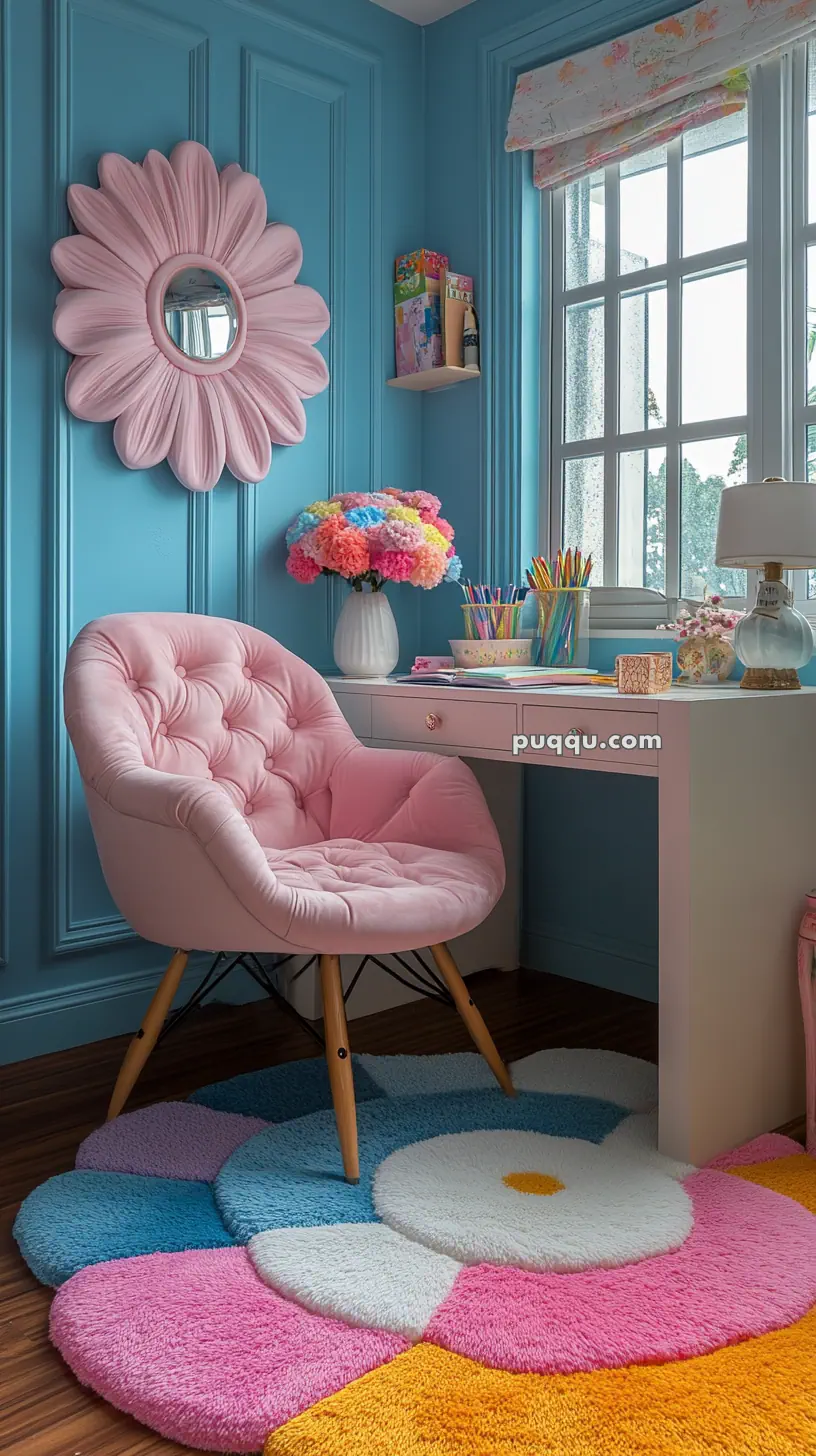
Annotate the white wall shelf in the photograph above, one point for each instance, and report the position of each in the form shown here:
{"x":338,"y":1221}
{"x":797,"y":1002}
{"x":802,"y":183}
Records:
{"x":439,"y":378}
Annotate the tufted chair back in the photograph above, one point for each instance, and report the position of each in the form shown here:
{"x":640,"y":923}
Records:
{"x":209,"y":699}
{"x":205,"y":748}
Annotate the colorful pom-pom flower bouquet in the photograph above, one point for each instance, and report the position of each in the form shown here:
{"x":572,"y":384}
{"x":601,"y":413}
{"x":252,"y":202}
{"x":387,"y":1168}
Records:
{"x":371,"y":539}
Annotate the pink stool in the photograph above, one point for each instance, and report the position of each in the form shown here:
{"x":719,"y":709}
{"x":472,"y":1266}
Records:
{"x":807,"y":991}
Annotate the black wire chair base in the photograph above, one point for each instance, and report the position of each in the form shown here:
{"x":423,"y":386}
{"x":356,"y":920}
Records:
{"x":213,"y":978}
{"x":421,"y":977}
{"x":426,"y":980}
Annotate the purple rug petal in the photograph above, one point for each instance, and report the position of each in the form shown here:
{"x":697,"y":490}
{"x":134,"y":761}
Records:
{"x":168,"y":1140}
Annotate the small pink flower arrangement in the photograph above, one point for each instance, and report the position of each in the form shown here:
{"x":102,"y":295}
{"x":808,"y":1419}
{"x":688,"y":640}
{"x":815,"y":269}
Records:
{"x":388,"y":535}
{"x":710,"y":619}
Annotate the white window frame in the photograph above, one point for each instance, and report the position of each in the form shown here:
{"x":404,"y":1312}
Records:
{"x":802,"y":235}
{"x":771,"y":307}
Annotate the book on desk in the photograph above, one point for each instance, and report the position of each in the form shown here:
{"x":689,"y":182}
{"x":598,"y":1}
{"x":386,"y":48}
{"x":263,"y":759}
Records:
{"x":509,"y":677}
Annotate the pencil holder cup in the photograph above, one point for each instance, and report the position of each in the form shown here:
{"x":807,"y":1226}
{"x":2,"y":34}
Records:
{"x":559,"y":620}
{"x":492,"y":620}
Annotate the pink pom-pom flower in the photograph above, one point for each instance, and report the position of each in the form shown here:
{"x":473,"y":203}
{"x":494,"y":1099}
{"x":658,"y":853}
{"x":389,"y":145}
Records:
{"x":393,"y":565}
{"x":396,"y":536}
{"x":302,"y":567}
{"x":422,"y":500}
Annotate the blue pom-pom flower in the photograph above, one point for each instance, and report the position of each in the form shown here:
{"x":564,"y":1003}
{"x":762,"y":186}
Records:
{"x":365,"y":516}
{"x":300,"y":525}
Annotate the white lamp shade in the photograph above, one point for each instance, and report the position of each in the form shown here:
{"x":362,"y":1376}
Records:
{"x":771,"y":521}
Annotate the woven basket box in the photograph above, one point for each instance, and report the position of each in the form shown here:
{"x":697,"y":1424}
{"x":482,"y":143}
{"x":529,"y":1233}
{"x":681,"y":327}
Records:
{"x":644,"y":672}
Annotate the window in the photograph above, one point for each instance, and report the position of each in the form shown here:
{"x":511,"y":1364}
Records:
{"x":672,"y":334}
{"x":803,"y":247}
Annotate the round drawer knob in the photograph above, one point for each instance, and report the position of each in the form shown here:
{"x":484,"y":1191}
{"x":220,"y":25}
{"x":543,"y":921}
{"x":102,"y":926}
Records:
{"x":432,"y":721}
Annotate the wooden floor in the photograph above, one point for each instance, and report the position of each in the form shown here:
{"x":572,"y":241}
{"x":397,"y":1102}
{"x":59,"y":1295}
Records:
{"x":47,"y":1106}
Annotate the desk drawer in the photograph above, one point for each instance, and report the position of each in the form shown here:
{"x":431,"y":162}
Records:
{"x":449,"y":720}
{"x":592,"y":723}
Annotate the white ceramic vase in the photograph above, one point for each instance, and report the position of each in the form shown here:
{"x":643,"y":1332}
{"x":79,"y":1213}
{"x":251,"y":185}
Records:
{"x":365,"y":638}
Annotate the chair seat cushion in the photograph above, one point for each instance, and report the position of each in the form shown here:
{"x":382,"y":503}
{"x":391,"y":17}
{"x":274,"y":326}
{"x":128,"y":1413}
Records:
{"x":359,"y":896}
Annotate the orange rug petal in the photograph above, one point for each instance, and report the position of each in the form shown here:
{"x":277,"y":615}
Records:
{"x":794,"y":1176}
{"x":757,"y":1398}
{"x":754,"y":1399}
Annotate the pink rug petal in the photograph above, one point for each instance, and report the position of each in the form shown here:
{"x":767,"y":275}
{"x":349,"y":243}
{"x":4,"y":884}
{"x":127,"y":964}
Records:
{"x":747,"y":1267}
{"x":168,"y":1140}
{"x":197,"y":1347}
{"x":763,"y":1149}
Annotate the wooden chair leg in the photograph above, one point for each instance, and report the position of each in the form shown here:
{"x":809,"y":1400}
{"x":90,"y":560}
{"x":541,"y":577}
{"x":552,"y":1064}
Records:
{"x":471,"y":1016}
{"x":147,"y":1035}
{"x":338,"y":1057}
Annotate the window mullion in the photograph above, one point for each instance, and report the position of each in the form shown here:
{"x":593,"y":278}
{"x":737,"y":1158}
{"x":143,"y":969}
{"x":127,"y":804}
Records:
{"x":673,"y":321}
{"x":768,"y":435}
{"x":799,"y":238}
{"x":611,"y":382}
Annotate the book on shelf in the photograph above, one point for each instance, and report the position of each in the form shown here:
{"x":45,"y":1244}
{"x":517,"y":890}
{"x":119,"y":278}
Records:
{"x":456,"y":294}
{"x":418,"y":311}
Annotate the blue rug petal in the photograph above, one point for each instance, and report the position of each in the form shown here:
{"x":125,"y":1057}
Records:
{"x":279,"y":1093}
{"x":291,"y":1175}
{"x":408,"y":1076}
{"x":82,"y":1218}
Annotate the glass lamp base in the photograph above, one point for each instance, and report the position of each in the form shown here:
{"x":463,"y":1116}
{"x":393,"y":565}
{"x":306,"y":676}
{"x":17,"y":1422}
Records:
{"x":774,"y":640}
{"x":770,"y":679}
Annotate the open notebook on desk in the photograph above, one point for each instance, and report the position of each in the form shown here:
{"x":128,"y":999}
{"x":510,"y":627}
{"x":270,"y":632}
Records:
{"x":509,"y":677}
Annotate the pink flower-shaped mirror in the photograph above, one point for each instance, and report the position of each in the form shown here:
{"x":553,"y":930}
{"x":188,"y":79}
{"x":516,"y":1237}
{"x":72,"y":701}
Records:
{"x":181,"y":306}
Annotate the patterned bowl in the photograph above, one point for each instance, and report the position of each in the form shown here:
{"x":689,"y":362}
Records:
{"x":491,"y":652}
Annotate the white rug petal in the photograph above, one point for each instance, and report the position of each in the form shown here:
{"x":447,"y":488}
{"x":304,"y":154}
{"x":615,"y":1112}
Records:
{"x":533,"y":1201}
{"x":629,"y":1081}
{"x":638,"y":1133}
{"x":363,"y":1273}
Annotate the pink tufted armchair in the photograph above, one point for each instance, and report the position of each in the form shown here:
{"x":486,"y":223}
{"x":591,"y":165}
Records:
{"x":234,"y":810}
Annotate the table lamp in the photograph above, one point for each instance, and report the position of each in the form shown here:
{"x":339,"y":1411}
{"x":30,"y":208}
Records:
{"x":771,"y":525}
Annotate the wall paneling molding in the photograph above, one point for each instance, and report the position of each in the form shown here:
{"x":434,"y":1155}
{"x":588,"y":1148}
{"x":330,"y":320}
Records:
{"x":64,"y":933}
{"x":5,"y":469}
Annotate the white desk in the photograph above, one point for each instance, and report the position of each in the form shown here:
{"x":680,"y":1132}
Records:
{"x":736,"y":776}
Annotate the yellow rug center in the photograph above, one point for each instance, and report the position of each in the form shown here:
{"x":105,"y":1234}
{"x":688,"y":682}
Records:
{"x":538,"y":1183}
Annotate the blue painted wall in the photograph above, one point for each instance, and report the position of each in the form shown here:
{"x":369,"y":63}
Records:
{"x":321,"y":100}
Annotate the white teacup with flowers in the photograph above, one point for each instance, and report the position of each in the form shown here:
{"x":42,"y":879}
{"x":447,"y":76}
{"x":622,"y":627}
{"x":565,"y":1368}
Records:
{"x":705,"y":651}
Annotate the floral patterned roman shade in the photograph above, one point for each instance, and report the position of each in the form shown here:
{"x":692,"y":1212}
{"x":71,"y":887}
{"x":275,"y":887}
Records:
{"x":631,"y":94}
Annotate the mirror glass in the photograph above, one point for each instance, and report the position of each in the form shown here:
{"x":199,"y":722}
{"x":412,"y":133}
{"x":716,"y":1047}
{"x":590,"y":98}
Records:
{"x":200,"y":314}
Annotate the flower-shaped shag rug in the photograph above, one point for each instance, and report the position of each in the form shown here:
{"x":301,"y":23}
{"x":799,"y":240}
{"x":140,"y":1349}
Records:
{"x":522,"y":1275}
